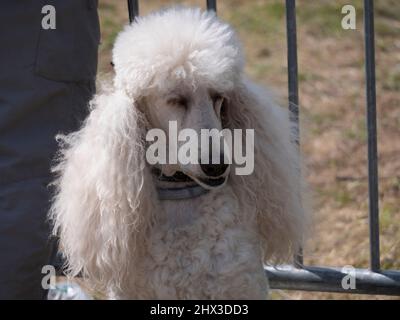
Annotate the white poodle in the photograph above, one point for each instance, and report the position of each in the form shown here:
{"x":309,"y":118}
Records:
{"x":137,"y":231}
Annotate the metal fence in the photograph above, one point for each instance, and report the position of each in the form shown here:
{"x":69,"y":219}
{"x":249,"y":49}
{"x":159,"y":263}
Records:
{"x":326,"y":279}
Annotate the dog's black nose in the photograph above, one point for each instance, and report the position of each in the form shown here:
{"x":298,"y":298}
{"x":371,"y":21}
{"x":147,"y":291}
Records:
{"x":214,"y":170}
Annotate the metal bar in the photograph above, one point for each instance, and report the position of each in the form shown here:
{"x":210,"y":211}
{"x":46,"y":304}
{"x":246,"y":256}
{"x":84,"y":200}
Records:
{"x":298,"y":259}
{"x":291,"y":34}
{"x":293,"y":87}
{"x":372,"y":135}
{"x":330,"y":280}
{"x":212,"y":5}
{"x":133,"y":9}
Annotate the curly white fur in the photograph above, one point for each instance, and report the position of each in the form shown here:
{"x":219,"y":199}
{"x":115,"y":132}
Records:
{"x":113,"y":228}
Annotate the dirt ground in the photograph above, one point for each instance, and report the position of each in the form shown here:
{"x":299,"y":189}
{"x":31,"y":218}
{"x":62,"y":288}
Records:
{"x":332,"y":107}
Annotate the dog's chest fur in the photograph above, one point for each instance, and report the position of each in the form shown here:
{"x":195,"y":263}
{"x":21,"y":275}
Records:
{"x":204,"y":249}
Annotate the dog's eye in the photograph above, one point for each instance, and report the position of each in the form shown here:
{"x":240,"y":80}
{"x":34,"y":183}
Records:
{"x":178,"y":101}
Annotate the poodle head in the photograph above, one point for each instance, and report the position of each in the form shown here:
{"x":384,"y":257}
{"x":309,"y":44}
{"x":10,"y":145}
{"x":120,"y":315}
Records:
{"x":180,"y":65}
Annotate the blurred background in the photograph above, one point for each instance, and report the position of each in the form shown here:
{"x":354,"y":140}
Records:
{"x":332,"y":107}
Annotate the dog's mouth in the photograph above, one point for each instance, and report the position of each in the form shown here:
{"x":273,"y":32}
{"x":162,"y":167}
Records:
{"x":214,"y":183}
{"x":180,"y":177}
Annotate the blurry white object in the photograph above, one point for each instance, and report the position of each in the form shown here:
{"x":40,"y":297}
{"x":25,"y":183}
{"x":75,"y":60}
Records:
{"x":67,"y":291}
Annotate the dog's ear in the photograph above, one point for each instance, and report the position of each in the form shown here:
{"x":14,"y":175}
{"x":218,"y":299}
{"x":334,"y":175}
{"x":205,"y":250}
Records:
{"x":102,"y":209}
{"x":272,"y":194}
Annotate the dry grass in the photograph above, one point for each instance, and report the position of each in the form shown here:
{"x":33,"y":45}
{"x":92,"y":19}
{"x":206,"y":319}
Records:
{"x":333,"y":112}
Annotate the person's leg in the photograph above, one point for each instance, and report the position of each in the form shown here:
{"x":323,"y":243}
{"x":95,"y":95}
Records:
{"x":46,"y":81}
{"x":23,"y":238}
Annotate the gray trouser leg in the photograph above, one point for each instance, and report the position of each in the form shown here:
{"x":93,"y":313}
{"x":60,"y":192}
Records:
{"x":46,"y":80}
